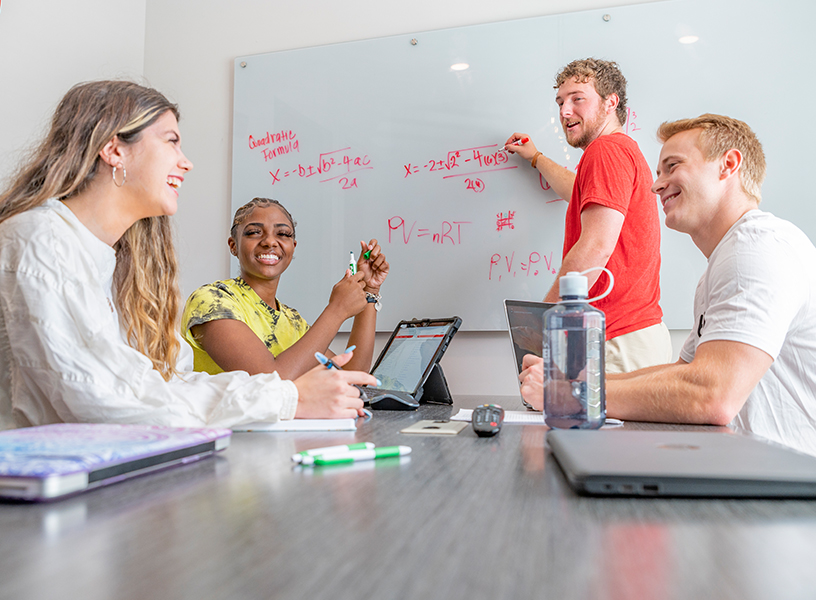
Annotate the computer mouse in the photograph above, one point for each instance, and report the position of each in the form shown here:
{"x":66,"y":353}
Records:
{"x":487,"y":419}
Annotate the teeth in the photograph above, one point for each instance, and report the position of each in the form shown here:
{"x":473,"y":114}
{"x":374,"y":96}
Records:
{"x":268,"y":257}
{"x":173,"y":182}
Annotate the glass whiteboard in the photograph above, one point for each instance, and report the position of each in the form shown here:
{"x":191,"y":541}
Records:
{"x":383,"y":139}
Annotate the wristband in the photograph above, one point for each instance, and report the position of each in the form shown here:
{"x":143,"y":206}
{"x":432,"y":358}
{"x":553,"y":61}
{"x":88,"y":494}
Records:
{"x":535,"y":159}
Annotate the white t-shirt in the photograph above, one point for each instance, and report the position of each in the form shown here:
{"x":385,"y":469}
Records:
{"x":63,"y":356}
{"x":760,"y":289}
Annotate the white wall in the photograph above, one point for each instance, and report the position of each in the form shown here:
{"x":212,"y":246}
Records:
{"x":185,"y":48}
{"x":46,"y":46}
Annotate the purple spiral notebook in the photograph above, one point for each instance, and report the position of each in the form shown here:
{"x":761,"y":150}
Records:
{"x":52,"y":461}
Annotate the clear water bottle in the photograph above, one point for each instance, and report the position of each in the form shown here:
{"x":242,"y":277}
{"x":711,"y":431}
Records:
{"x":574,"y":336}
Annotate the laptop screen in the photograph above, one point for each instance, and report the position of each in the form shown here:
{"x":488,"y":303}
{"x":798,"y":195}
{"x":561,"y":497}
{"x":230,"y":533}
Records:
{"x":410,"y":354}
{"x":525,"y":323}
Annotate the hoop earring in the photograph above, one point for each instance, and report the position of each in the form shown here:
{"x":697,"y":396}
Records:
{"x":124,"y":176}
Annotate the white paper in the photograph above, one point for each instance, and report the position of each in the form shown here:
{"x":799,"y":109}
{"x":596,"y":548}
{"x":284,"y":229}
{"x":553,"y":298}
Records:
{"x":301,"y":425}
{"x":524,"y":417}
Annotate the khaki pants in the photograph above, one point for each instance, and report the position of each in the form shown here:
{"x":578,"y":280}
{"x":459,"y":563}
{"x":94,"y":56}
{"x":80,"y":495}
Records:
{"x":638,"y":349}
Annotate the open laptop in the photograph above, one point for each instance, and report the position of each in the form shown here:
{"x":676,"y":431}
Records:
{"x":408,"y":365}
{"x":52,"y":461}
{"x":525,"y":324}
{"x":681,"y":463}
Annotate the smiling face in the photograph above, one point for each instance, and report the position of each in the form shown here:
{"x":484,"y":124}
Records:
{"x":584,"y":114}
{"x":688,"y":184}
{"x":264,"y":244}
{"x":155,"y":168}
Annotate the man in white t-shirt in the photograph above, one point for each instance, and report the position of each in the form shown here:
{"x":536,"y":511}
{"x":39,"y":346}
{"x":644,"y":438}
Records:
{"x":750,"y":361}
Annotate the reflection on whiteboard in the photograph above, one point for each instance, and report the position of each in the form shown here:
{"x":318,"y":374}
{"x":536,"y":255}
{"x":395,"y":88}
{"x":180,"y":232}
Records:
{"x":408,"y":357}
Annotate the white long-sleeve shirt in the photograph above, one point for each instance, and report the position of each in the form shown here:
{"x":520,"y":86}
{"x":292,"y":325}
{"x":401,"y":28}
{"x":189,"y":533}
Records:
{"x":63,"y":355}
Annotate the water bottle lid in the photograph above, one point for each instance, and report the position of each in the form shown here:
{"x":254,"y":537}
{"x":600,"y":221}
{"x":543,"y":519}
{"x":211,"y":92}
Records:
{"x":573,"y":284}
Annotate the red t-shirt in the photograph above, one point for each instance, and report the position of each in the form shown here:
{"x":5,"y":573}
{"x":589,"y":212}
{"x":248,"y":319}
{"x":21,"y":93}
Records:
{"x":613,"y":173}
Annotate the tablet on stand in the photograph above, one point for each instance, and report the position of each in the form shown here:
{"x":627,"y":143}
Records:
{"x":408,"y":365}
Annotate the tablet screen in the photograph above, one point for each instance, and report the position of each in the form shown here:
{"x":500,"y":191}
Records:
{"x":409,"y":355}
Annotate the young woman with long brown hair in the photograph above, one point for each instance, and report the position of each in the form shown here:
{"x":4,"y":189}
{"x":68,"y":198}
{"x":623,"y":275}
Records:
{"x":89,"y":296}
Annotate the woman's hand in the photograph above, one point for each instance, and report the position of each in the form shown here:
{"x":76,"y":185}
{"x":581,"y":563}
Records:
{"x":375,"y":268}
{"x":329,"y":393}
{"x":347,"y":296}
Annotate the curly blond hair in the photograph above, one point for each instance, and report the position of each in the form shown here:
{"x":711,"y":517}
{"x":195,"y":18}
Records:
{"x":605,"y":75}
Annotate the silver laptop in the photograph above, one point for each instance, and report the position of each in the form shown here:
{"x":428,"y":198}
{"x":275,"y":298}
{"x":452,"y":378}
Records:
{"x":52,"y":461}
{"x":681,"y":463}
{"x":525,"y":324}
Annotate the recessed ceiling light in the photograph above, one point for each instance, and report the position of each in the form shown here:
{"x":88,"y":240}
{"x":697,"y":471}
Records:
{"x":460,"y":67}
{"x":688,"y":39}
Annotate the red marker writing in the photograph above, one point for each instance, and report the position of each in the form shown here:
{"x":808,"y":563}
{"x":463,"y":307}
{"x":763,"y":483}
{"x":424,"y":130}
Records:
{"x":520,"y":142}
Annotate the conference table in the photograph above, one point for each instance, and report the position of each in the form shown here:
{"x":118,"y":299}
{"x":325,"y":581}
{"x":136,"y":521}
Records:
{"x":460,"y":517}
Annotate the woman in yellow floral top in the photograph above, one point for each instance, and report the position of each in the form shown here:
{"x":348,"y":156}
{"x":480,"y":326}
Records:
{"x":239,"y":324}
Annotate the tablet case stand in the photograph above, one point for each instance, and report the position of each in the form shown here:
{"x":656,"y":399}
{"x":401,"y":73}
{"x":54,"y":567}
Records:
{"x":435,"y":390}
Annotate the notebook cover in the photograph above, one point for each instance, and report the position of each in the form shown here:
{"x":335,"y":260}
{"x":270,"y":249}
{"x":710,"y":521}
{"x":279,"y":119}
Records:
{"x":66,"y":448}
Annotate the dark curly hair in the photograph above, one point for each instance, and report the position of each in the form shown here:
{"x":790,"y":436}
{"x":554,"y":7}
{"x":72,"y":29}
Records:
{"x":242,"y":213}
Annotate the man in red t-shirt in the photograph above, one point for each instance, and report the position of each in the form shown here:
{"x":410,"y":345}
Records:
{"x":612,"y":217}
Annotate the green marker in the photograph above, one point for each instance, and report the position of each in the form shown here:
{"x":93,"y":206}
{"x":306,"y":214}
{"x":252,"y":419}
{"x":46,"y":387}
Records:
{"x":367,"y":255}
{"x":331,"y":449}
{"x":342,"y":458}
{"x":352,"y":263}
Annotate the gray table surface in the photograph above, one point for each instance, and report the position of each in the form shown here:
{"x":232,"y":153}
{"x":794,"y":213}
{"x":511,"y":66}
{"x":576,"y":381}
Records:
{"x":462,"y":517}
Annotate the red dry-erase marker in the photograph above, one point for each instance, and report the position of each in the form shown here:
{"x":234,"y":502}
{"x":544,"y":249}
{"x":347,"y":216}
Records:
{"x":523,"y":140}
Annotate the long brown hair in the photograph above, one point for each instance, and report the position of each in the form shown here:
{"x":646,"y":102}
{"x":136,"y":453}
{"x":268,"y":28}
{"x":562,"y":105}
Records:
{"x":145,"y":280}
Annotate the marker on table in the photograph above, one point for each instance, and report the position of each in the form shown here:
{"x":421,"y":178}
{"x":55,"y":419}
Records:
{"x":341,"y":458}
{"x":331,"y":449}
{"x":520,"y":142}
{"x":352,"y":263}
